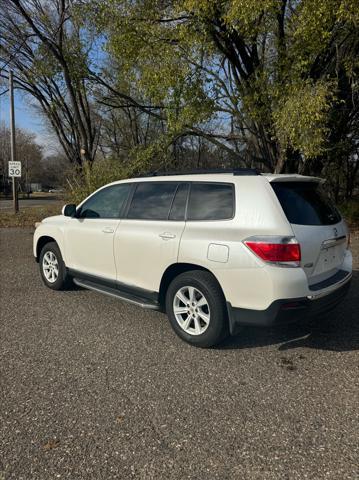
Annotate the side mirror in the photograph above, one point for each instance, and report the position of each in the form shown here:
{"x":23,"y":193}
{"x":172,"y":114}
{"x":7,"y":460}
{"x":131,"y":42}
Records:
{"x":69,"y":210}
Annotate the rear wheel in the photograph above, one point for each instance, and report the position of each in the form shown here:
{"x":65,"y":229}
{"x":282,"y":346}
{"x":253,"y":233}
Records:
{"x":52,"y":267}
{"x":196,"y":308}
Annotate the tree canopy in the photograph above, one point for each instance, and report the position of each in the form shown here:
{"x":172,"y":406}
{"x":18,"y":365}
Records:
{"x":266,"y":79}
{"x":271,"y":84}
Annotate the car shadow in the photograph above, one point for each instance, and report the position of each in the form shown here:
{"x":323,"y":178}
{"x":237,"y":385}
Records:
{"x":336,"y":331}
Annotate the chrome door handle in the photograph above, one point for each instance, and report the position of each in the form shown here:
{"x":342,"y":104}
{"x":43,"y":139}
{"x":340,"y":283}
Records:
{"x":167,"y":236}
{"x":108,"y":230}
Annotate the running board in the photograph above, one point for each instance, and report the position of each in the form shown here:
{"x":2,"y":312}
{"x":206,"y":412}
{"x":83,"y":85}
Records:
{"x":113,"y":292}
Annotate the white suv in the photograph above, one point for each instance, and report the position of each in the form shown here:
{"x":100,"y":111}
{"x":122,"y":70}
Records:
{"x":213,"y":250}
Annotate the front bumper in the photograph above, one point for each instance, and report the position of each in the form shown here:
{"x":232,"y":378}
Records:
{"x":288,"y":310}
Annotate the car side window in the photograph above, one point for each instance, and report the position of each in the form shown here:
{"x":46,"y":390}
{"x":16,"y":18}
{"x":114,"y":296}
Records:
{"x":152,"y":201}
{"x":178,"y":209}
{"x":211,"y":201}
{"x":107,"y":203}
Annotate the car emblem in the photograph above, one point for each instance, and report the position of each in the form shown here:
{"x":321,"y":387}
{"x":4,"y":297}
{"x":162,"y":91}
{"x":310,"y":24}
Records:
{"x":335,"y":232}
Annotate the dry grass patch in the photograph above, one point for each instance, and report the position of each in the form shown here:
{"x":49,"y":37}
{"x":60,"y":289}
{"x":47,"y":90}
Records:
{"x":27,"y":217}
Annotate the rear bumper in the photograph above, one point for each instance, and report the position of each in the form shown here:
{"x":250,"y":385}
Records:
{"x":288,"y":310}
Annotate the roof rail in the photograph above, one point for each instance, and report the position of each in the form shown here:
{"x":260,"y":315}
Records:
{"x":234,"y":171}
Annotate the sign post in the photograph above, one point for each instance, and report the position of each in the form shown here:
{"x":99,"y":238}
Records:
{"x":15,"y":168}
{"x":14,"y":173}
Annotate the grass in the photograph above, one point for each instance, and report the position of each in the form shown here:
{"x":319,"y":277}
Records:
{"x":25,"y":196}
{"x":27,"y":217}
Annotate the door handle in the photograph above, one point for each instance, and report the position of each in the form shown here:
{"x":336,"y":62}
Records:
{"x":108,"y":230}
{"x":167,"y":236}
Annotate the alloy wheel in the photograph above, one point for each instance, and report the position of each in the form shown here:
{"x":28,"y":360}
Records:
{"x":50,"y":266}
{"x":191,"y":310}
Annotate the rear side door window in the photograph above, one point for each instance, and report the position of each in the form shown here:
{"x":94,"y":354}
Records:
{"x":178,"y":209}
{"x":211,"y":201}
{"x":152,"y":201}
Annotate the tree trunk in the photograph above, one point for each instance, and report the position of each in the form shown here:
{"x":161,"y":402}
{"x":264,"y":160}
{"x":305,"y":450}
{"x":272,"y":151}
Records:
{"x":281,"y":159}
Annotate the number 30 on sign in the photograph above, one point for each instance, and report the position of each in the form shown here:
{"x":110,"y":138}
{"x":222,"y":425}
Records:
{"x":14,"y":169}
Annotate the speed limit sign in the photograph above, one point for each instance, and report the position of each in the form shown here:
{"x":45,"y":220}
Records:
{"x":14,"y":169}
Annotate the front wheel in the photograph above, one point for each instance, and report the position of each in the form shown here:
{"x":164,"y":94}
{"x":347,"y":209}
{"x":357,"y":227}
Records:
{"x":52,"y":267}
{"x":196,"y":308}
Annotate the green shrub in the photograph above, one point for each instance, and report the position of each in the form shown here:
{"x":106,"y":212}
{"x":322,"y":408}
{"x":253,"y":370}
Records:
{"x":81,"y":183}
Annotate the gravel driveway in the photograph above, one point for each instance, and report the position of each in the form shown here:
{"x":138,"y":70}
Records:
{"x":93,"y":388}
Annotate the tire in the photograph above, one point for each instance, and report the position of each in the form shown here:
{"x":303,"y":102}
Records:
{"x":202,"y":322}
{"x":55,"y":276}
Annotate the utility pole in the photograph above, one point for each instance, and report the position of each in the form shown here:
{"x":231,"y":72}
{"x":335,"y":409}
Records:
{"x":12,"y":142}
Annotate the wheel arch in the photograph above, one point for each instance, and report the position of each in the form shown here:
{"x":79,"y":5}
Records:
{"x":41,"y":242}
{"x":173,"y":271}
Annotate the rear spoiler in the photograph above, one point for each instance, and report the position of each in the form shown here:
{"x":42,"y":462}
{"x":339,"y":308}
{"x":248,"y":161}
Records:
{"x":292,"y":178}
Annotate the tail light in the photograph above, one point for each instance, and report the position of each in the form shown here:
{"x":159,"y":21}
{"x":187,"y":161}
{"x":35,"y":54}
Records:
{"x":283,"y":251}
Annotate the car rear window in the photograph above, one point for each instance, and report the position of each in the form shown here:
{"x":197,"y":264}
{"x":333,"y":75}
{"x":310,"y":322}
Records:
{"x":305,"y":203}
{"x":211,"y":201}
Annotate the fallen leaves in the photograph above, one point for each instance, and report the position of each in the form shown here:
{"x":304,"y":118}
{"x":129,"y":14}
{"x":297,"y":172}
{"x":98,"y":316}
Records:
{"x":51,"y":444}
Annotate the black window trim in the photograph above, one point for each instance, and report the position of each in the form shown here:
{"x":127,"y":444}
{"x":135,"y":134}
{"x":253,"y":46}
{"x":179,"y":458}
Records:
{"x":178,"y":182}
{"x":188,"y":184}
{"x":121,"y":211}
{"x":173,"y":199}
{"x":129,"y":200}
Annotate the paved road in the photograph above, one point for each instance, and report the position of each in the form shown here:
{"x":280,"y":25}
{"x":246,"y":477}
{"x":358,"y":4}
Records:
{"x":31,"y":202}
{"x":92,"y":388}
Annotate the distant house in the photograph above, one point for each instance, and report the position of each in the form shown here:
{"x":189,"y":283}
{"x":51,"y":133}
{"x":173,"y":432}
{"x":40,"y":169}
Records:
{"x":36,"y":187}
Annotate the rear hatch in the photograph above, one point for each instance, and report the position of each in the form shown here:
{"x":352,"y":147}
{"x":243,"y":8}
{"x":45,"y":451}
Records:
{"x":316,"y":224}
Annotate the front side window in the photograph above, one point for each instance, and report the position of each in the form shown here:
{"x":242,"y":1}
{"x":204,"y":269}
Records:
{"x":152,"y":201}
{"x":211,"y":201}
{"x":107,"y":203}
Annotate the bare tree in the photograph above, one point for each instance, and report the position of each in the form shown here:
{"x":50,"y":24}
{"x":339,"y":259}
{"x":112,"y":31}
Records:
{"x":28,"y":152}
{"x":49,"y":53}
